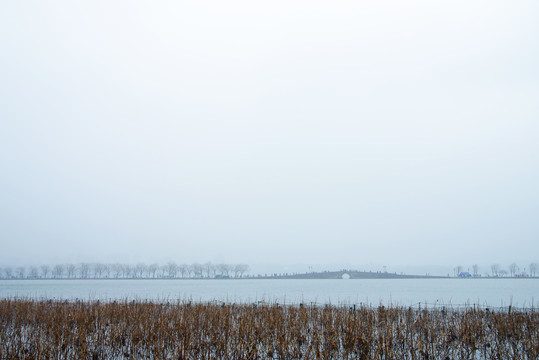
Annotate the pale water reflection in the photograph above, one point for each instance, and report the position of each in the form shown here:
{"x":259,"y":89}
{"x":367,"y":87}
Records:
{"x":491,"y":292}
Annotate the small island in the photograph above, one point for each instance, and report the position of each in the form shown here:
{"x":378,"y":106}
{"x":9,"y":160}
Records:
{"x":347,"y":274}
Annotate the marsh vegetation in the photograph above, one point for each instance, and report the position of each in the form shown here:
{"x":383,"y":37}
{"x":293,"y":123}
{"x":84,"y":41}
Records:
{"x":57,"y":329}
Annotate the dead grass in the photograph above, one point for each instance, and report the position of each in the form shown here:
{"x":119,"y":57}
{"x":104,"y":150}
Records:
{"x":41,"y":329}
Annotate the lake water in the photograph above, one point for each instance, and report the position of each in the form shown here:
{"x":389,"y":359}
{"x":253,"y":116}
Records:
{"x":406,"y":292}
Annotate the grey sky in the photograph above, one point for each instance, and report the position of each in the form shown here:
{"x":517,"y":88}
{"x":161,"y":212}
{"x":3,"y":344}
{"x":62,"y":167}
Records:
{"x":389,"y":132}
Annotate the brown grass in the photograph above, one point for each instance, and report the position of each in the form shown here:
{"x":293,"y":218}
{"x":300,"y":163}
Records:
{"x":42,"y":329}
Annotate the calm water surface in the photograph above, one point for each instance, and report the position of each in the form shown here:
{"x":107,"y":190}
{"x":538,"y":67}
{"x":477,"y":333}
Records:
{"x":491,"y":292}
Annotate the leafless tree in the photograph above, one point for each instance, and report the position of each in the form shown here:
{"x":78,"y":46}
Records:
{"x":129,"y":271}
{"x":139,"y":270}
{"x":33,"y":272}
{"x":152,"y":270}
{"x":116,"y":270}
{"x":184,"y":270}
{"x":533,"y":269}
{"x":224,"y":269}
{"x":190,"y":271}
{"x":240,"y":269}
{"x":495,"y":269}
{"x":126,"y":270}
{"x":70,"y":270}
{"x":160,"y":272}
{"x":209,"y":269}
{"x":171,"y":269}
{"x":221,"y":269}
{"x":84,"y":270}
{"x":475,"y":269}
{"x":245,"y":269}
{"x":57,"y":271}
{"x":513,"y":269}
{"x":99,"y":269}
{"x":20,"y":272}
{"x":107,"y":270}
{"x":197,"y":270}
{"x":45,"y":269}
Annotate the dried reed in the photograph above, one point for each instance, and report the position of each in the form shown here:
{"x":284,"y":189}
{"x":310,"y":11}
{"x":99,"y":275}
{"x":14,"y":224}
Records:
{"x":42,"y":329}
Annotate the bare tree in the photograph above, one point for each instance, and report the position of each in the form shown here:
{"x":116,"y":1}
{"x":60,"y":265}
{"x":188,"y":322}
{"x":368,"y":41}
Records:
{"x":132,"y":271}
{"x":513,"y":269}
{"x":8,"y":272}
{"x":33,"y":272}
{"x":107,"y":270}
{"x":184,"y":270}
{"x":57,"y":271}
{"x":221,"y":269}
{"x":20,"y":272}
{"x":458,"y":270}
{"x":209,"y":269}
{"x":117,"y":270}
{"x":172,"y":269}
{"x":160,"y":272}
{"x":152,"y":270}
{"x":138,"y":270}
{"x":240,"y":269}
{"x":495,"y":269}
{"x":224,"y":269}
{"x":533,"y":269}
{"x":244,"y":268}
{"x":84,"y":270}
{"x":45,"y":269}
{"x":127,"y":271}
{"x":475,"y":269}
{"x":190,"y":271}
{"x":503,"y":272}
{"x":70,"y":270}
{"x":197,"y":270}
{"x":99,"y":269}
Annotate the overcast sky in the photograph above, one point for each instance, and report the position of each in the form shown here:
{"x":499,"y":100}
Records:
{"x":386,"y":132}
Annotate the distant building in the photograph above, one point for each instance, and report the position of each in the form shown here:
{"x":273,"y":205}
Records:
{"x":465,"y":274}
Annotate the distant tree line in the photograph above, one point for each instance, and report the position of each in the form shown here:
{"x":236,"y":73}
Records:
{"x":496,"y":270}
{"x":170,"y":270}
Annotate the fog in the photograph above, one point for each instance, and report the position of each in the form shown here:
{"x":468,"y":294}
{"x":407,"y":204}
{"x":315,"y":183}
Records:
{"x":397,"y":133}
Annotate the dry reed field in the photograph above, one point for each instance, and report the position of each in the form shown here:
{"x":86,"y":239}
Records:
{"x":50,"y":329}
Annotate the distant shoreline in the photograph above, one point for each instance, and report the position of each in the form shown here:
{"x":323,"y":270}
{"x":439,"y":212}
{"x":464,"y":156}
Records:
{"x":328,"y":275}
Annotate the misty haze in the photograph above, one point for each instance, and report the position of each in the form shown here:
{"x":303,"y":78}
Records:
{"x":297,"y":153}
